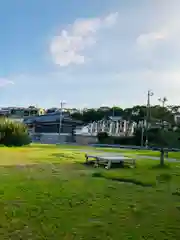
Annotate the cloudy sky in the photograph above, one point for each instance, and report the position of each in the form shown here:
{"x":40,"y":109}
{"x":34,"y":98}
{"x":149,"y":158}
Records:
{"x":89,"y":53}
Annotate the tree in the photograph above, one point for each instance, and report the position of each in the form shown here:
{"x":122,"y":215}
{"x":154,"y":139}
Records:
{"x":136,"y":113}
{"x":13,"y":133}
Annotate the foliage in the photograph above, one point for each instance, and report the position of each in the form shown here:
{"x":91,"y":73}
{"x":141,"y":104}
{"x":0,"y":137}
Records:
{"x":13,"y":133}
{"x":136,"y":113}
{"x":156,"y":138}
{"x":103,"y":137}
{"x":123,"y":140}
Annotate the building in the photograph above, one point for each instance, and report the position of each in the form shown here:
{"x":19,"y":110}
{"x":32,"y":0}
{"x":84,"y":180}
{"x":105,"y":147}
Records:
{"x":20,"y":112}
{"x":49,"y":125}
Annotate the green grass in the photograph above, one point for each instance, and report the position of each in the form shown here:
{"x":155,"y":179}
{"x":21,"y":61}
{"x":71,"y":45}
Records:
{"x":175,"y":155}
{"x":46,"y":192}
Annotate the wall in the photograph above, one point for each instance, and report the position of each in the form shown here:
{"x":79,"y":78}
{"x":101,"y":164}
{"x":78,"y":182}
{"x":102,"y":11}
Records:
{"x":50,"y":138}
{"x":85,"y":140}
{"x":53,"y":138}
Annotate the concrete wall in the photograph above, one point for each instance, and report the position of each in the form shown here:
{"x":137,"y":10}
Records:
{"x":85,"y":140}
{"x":50,"y":138}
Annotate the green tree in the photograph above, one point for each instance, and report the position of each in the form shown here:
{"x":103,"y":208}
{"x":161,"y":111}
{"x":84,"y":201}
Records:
{"x":13,"y":133}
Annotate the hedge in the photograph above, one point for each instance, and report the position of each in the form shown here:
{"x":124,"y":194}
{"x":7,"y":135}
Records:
{"x":156,"y":137}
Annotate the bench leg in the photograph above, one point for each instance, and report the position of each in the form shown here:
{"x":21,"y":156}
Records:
{"x":134,"y":163}
{"x":96,"y":163}
{"x":86,"y":159}
{"x":109,"y":165}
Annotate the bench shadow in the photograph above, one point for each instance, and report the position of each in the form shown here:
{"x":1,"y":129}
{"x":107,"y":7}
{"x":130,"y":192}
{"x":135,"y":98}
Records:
{"x":123,"y":180}
{"x":91,"y":164}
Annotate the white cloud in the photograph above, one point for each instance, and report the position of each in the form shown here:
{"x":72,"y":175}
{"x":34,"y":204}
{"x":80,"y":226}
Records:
{"x":4,"y":82}
{"x":149,"y":39}
{"x":111,"y":19}
{"x":68,"y":47}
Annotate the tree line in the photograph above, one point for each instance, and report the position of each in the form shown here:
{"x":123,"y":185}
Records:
{"x":135,"y":113}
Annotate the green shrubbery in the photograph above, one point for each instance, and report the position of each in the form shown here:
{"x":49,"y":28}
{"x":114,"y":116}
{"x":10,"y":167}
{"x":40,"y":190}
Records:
{"x":104,"y":138}
{"x":156,"y":138}
{"x":13,"y":133}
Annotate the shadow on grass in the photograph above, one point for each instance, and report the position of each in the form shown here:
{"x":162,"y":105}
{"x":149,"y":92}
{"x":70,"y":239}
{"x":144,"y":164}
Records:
{"x":158,"y":166}
{"x":164,"y":177}
{"x":123,"y":180}
{"x":39,"y":145}
{"x":114,"y":165}
{"x":177,"y":192}
{"x":67,"y":156}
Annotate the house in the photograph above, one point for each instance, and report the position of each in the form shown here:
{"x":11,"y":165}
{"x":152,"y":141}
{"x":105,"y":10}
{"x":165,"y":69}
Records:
{"x":21,"y":112}
{"x":49,"y":124}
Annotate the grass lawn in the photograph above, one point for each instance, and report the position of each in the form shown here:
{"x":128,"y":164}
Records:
{"x":47,"y":193}
{"x":175,"y":155}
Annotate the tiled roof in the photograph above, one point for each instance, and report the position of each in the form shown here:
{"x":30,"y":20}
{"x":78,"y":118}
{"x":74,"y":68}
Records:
{"x":53,"y":117}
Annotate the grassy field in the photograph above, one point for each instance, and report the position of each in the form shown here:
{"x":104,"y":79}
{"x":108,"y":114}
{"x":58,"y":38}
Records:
{"x":46,"y":192}
{"x":175,"y":155}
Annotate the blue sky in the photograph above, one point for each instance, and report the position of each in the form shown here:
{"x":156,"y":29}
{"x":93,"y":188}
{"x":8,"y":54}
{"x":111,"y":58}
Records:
{"x":89,"y":53}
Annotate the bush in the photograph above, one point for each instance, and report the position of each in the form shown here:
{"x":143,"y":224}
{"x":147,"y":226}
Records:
{"x":13,"y":133}
{"x":103,"y":137}
{"x":123,"y":140}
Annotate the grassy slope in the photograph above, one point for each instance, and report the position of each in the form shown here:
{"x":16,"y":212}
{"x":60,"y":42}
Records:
{"x":46,"y":193}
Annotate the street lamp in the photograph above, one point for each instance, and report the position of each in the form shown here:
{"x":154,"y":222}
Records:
{"x":62,"y":103}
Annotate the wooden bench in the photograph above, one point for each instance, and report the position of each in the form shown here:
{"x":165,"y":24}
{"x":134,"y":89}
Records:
{"x":107,"y":161}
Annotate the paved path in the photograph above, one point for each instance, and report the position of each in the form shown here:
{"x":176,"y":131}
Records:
{"x":100,"y":152}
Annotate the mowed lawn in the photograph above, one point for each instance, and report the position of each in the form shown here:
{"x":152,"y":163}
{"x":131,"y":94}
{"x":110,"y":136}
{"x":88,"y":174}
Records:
{"x":174,"y":155}
{"x":46,"y":192}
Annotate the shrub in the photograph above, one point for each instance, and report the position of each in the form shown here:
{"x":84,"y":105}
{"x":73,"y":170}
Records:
{"x":103,"y":137}
{"x":123,"y":140}
{"x":13,"y":133}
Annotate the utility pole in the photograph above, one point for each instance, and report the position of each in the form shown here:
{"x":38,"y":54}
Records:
{"x":163,"y":101}
{"x":62,"y":103}
{"x":148,"y":113}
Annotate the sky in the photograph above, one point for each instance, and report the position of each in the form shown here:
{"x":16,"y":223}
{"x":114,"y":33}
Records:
{"x":89,"y":53}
